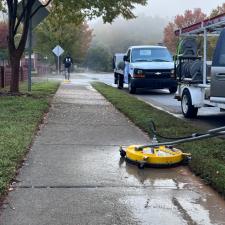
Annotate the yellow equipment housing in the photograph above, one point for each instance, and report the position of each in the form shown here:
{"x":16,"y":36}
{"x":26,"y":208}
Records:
{"x":154,"y":156}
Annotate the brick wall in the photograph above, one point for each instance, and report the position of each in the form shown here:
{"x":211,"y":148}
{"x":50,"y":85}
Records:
{"x":43,"y":69}
{"x":23,"y":73}
{"x":5,"y":75}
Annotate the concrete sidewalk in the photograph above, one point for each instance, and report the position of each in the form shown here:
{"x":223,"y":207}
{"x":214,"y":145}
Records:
{"x":74,"y":174}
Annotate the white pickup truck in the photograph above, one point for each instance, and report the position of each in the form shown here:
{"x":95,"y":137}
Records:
{"x":150,"y":67}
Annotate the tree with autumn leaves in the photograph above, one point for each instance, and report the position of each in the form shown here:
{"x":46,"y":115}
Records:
{"x":71,"y":10}
{"x":188,"y":18}
{"x":219,"y":10}
{"x":74,"y":38}
{"x":73,"y":35}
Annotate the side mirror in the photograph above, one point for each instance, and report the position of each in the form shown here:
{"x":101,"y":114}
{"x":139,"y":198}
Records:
{"x":125,"y":58}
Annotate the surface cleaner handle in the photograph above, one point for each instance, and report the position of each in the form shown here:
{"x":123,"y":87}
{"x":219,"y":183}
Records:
{"x":194,"y":138}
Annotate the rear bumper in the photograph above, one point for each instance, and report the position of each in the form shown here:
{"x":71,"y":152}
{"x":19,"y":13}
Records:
{"x":153,"y":83}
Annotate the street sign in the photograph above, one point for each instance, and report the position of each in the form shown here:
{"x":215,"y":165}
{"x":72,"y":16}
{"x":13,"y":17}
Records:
{"x":58,"y":51}
{"x":38,"y":17}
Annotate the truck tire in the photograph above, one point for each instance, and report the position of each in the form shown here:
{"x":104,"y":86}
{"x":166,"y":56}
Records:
{"x":188,"y":110}
{"x":173,"y":90}
{"x":120,"y":81}
{"x":131,"y":88}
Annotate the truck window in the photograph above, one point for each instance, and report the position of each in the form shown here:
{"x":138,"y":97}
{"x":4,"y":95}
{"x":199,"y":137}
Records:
{"x":219,"y":54}
{"x":151,"y":55}
{"x":222,"y":56}
{"x":220,"y":59}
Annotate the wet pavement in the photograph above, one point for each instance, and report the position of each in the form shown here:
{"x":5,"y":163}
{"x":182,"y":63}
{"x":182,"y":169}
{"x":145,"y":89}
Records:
{"x":75,"y":176}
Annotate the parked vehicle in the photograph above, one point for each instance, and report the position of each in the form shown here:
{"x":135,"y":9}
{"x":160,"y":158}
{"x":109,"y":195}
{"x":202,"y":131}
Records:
{"x":118,"y":65}
{"x":199,"y":84}
{"x":150,"y":67}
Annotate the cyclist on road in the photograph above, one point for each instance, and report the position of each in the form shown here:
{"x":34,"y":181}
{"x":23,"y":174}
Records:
{"x":68,"y":61}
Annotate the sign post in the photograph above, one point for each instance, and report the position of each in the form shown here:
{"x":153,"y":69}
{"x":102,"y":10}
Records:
{"x":58,"y":51}
{"x":30,"y":55}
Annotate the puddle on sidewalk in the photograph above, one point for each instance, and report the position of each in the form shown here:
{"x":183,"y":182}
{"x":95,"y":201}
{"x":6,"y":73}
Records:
{"x":172,"y":196}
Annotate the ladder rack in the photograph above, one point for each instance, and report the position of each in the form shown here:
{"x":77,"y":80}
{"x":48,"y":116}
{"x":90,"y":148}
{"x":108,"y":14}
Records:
{"x":212,"y":25}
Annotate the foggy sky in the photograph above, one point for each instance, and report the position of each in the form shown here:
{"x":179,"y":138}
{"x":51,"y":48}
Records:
{"x":155,"y":16}
{"x":171,"y":8}
{"x":168,"y":9}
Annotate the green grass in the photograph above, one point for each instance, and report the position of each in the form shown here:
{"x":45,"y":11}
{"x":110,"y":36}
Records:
{"x":208,"y":156}
{"x":19,"y":119}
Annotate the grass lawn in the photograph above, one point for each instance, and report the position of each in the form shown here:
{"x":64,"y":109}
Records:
{"x":19,"y":120}
{"x":208,"y":156}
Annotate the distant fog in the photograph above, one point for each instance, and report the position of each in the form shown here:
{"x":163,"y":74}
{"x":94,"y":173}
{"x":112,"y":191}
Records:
{"x":148,"y":27}
{"x":122,"y":33}
{"x":171,"y":8}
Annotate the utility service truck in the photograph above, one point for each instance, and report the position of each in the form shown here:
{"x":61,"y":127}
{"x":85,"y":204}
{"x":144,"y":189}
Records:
{"x":200,"y":84}
{"x":150,"y":67}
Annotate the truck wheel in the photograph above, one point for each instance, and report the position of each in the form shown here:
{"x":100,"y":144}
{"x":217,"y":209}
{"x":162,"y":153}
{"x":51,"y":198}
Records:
{"x":120,"y":82}
{"x":115,"y":78}
{"x":173,"y":90}
{"x":188,"y":110}
{"x":131,"y":88}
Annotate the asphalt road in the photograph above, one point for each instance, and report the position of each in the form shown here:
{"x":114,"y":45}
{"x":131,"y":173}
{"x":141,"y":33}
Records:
{"x":208,"y":117}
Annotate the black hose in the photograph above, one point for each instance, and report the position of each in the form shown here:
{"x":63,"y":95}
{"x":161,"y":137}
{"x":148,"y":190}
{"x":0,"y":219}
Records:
{"x":174,"y":141}
{"x":153,"y":130}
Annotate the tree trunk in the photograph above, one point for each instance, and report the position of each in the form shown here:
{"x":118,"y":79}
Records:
{"x":15,"y":74}
{"x":16,"y":50}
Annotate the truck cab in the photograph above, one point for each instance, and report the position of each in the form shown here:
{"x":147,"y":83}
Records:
{"x":148,"y":67}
